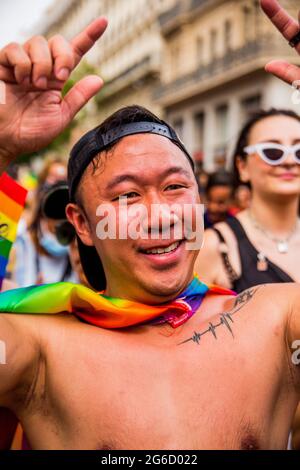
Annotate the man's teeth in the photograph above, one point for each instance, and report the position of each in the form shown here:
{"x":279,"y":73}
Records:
{"x":160,"y":251}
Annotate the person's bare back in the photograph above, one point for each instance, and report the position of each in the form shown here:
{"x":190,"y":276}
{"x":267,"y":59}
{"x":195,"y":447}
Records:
{"x":223,"y":380}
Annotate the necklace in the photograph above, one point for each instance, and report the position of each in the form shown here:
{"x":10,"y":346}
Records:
{"x":281,"y":243}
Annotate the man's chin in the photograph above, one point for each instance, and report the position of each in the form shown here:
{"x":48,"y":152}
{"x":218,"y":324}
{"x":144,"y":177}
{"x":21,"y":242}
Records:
{"x":164,"y":286}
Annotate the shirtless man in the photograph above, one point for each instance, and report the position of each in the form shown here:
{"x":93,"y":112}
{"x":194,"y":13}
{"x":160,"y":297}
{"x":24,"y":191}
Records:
{"x":75,"y":386}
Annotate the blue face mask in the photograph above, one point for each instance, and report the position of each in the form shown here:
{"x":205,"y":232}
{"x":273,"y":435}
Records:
{"x":52,"y":246}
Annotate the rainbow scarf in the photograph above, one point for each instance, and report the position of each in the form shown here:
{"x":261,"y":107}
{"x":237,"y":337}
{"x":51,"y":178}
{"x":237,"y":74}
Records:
{"x":12,"y":201}
{"x":101,"y":310}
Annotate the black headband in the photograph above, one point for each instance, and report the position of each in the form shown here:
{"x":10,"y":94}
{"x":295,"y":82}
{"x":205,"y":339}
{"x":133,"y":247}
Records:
{"x":94,"y":142}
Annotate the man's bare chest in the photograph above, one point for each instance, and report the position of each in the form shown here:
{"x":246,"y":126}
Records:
{"x":191,"y":390}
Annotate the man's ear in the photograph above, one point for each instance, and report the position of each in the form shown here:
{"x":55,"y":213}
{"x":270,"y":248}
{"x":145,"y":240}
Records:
{"x":242,"y":166}
{"x":79,"y":220}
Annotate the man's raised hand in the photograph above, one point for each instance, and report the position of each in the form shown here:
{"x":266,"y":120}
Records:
{"x":288,"y":27}
{"x":33,"y":75}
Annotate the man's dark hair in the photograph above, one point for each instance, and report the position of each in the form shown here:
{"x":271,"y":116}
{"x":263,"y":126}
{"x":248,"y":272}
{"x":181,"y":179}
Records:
{"x":126,"y":115}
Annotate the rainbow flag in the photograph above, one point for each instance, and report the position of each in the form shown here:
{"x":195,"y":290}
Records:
{"x":12,"y":201}
{"x":100,"y":310}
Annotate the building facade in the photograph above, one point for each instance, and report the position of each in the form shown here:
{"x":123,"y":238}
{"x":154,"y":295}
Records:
{"x":213,"y":73}
{"x":198,"y":63}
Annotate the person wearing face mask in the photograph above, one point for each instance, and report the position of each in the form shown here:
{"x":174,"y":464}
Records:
{"x":262,"y":243}
{"x":40,"y":258}
{"x":54,"y":208}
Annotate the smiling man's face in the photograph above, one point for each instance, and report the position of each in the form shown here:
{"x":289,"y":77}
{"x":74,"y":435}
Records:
{"x":148,"y":170}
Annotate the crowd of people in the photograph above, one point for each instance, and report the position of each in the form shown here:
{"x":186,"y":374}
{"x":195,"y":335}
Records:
{"x":45,"y":250}
{"x":252,"y":238}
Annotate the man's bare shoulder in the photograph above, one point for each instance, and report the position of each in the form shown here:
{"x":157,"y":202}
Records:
{"x":38,"y":329}
{"x":289,"y":295}
{"x":290,"y":292}
{"x":283,"y":298}
{"x":24,"y":340}
{"x":276,"y":295}
{"x":35,"y":322}
{"x":267,"y":300}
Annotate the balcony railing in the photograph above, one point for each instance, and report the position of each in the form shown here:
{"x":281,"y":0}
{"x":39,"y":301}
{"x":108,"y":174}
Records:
{"x":146,"y":67}
{"x":181,"y":7}
{"x":144,"y":63}
{"x":261,"y":47}
{"x":197,"y":3}
{"x":171,"y":14}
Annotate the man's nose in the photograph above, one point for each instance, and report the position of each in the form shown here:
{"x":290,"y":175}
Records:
{"x":159,"y":218}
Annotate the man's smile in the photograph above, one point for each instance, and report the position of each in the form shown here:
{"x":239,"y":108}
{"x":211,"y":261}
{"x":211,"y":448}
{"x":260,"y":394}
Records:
{"x":163,"y":254}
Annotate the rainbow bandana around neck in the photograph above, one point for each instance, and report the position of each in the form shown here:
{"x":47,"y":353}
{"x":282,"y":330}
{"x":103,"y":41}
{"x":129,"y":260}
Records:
{"x":103,"y":311}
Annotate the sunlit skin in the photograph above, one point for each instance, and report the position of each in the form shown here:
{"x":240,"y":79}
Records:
{"x":275,"y":202}
{"x":75,"y":386}
{"x":130,"y":273}
{"x":152,"y":387}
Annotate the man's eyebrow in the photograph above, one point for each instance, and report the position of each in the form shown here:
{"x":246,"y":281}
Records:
{"x":139,"y":179}
{"x":175,"y":169}
{"x":120,"y":179}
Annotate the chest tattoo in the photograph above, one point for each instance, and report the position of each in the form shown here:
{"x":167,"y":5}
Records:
{"x":226,"y":319}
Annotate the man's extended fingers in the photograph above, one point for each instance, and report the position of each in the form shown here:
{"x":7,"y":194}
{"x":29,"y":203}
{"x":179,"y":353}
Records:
{"x":39,"y":53}
{"x":46,"y":64}
{"x":15,"y":63}
{"x":79,"y":95}
{"x":63,"y":57}
{"x":85,"y":40}
{"x":289,"y":73}
{"x":287,"y":25}
{"x":7,"y":74}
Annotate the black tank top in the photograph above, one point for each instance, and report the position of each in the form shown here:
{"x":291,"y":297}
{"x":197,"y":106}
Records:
{"x":250,"y":276}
